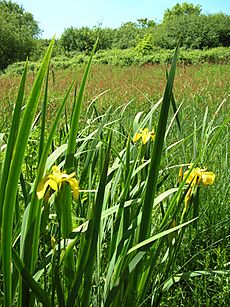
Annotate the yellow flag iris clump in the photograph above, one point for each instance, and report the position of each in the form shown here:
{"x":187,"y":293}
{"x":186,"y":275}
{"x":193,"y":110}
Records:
{"x":145,"y":135}
{"x":198,"y":176}
{"x":55,"y":180}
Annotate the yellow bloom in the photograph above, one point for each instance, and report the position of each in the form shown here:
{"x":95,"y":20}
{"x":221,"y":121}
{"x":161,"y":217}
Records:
{"x":145,"y":135}
{"x":54,"y":180}
{"x":199,"y":175}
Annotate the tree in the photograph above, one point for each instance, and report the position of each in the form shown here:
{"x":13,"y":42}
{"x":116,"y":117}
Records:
{"x":18,"y":29}
{"x":195,"y":31}
{"x":127,"y":35}
{"x":146,"y":23}
{"x":182,"y":9}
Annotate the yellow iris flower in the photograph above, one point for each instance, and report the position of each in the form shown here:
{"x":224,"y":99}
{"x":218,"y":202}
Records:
{"x":145,"y":135}
{"x":199,"y":175}
{"x":55,"y":180}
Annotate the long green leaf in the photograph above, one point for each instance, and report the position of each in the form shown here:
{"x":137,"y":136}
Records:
{"x":75,"y":117}
{"x":158,"y":236}
{"x":29,"y":280}
{"x":86,"y":258}
{"x":12,"y":137}
{"x":156,"y":155}
{"x":14,"y":173}
{"x":31,"y":223}
{"x":186,"y":276}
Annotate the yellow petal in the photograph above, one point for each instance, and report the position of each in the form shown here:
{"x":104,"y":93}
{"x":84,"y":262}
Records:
{"x":41,"y":188}
{"x":199,"y":175}
{"x":72,"y":175}
{"x":191,"y":178}
{"x":74,"y":186}
{"x":56,"y":169}
{"x":208,"y":178}
{"x":136,"y":137}
{"x":53,"y":184}
{"x":145,"y":138}
{"x":56,"y":174}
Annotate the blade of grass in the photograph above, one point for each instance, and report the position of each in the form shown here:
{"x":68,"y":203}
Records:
{"x":158,"y":236}
{"x":44,"y":107}
{"x":12,"y":137}
{"x":156,"y":155}
{"x":29,"y":280}
{"x":69,"y":161}
{"x":87,"y":255}
{"x":34,"y":212}
{"x":14,"y":173}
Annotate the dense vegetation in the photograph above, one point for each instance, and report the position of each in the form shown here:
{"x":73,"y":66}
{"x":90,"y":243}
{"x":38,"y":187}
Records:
{"x":19,"y":35}
{"x":100,"y":246}
{"x":114,"y":179}
{"x":128,"y":57}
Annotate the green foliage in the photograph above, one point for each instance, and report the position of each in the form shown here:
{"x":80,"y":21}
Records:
{"x":17,"y":32}
{"x":183,"y":21}
{"x":145,"y":45}
{"x":77,"y":39}
{"x":195,"y":31}
{"x":19,"y":37}
{"x":83,"y":39}
{"x":40,"y":46}
{"x":127,"y":35}
{"x":130,"y":57}
{"x":146,"y":23}
{"x":182,"y":9}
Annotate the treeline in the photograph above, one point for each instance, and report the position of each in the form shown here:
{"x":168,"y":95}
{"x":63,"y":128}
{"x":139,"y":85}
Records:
{"x":19,"y":34}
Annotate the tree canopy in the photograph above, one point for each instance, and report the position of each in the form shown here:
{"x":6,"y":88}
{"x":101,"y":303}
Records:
{"x":182,"y":9}
{"x":17,"y":32}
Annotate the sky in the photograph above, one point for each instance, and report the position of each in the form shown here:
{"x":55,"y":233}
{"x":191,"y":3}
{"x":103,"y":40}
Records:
{"x":54,"y":16}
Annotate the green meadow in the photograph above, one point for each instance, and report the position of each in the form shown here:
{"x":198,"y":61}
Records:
{"x":114,"y":185}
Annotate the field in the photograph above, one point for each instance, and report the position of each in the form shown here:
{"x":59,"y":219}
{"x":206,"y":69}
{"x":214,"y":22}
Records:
{"x":141,"y":231}
{"x":199,"y":86}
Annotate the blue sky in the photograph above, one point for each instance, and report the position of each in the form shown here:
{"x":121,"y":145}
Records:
{"x":56,"y":15}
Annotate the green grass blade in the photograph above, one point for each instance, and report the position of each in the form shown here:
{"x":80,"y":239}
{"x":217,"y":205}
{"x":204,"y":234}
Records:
{"x":44,"y":107}
{"x":12,"y":138}
{"x":33,"y":219}
{"x":14,"y":173}
{"x":91,"y":151}
{"x":174,"y":106}
{"x":187,"y":275}
{"x":156,"y":155}
{"x":87,"y":257}
{"x":29,"y":280}
{"x":75,"y":117}
{"x":158,"y":236}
